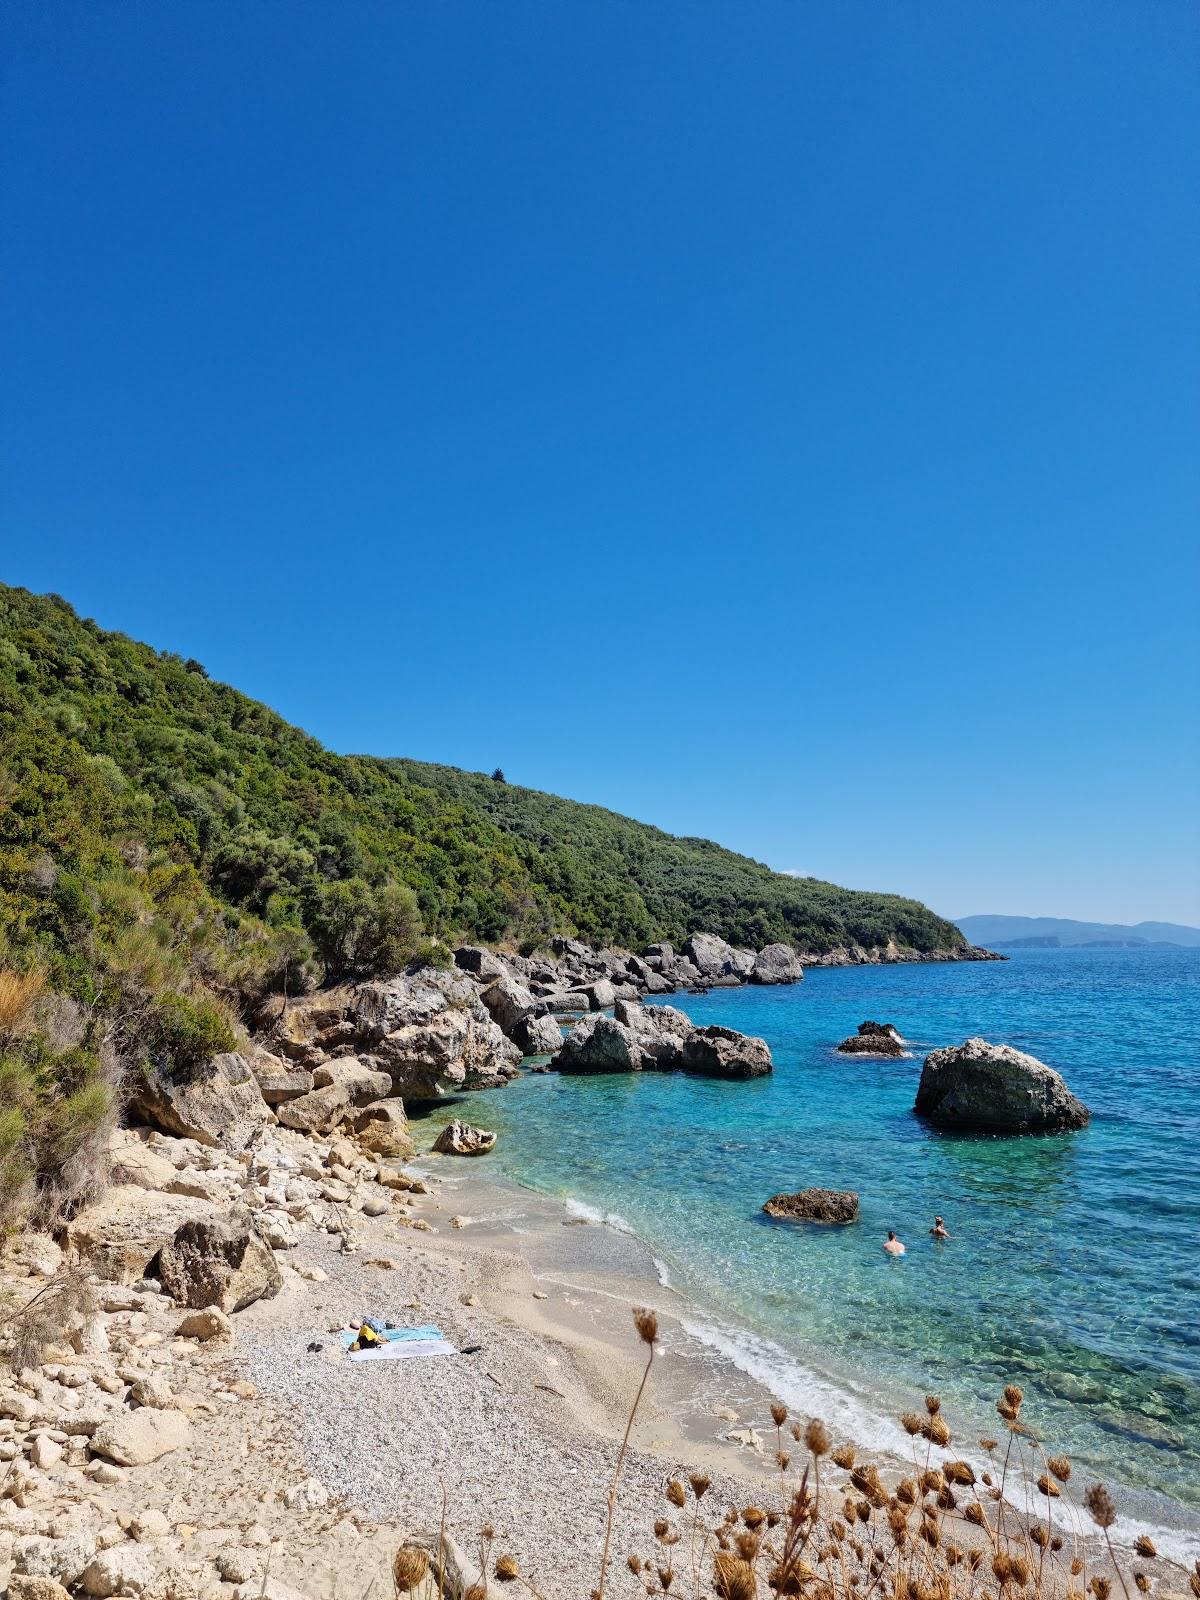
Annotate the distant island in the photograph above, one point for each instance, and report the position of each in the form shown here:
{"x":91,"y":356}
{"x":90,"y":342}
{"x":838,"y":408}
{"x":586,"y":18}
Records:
{"x":1063,"y":933}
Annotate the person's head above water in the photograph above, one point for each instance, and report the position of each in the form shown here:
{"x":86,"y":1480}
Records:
{"x":891,"y":1233}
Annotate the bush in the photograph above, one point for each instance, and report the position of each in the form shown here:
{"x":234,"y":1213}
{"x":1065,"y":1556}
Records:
{"x":181,"y":1033}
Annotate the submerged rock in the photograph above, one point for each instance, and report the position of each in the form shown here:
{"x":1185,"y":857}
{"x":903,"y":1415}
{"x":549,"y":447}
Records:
{"x":996,"y":1089}
{"x":814,"y":1205}
{"x":461,"y":1139}
{"x":873,"y":1039}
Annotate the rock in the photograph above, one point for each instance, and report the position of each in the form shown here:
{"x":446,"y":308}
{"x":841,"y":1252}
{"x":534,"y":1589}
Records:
{"x":126,"y":1569}
{"x":722,"y":1053}
{"x":310,"y":1495}
{"x":538,"y":1036}
{"x":211,"y":1323}
{"x":600,"y":1044}
{"x":152,"y":1391}
{"x":62,"y":1560}
{"x":481,"y":963}
{"x":119,"y":1237}
{"x":266,"y":1589}
{"x":149,"y":1525}
{"x":873,"y":1039}
{"x":507,"y":1002}
{"x":660,"y":1032}
{"x":460,"y":1139}
{"x":814,"y":1205}
{"x":776,"y":963}
{"x":601,"y":994}
{"x":362,"y":1084}
{"x":20,"y":1407}
{"x":278,"y":1081}
{"x":45,"y":1452}
{"x":566,"y":1002}
{"x":219,"y":1262}
{"x":132,"y":1162}
{"x":994,"y":1088}
{"x":27,"y":1586}
{"x":713,"y":959}
{"x":219,"y":1104}
{"x":382,"y":1129}
{"x":133,"y":1439}
{"x":320,"y":1111}
{"x":236,"y":1565}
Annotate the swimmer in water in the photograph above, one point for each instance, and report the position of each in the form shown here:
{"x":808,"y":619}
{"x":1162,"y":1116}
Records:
{"x":892,"y":1245}
{"x":938,"y":1231}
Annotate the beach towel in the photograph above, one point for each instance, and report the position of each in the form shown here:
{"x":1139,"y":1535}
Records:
{"x":399,"y":1344}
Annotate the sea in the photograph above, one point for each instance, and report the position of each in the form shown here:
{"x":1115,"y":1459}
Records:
{"x":1073,"y":1266}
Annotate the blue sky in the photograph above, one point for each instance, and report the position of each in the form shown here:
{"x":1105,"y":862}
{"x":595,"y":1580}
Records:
{"x":777,"y":421}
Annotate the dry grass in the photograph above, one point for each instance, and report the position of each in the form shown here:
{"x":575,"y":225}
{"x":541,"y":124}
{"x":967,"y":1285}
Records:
{"x":46,"y":1319}
{"x":19,"y":995}
{"x":1011,"y":1530}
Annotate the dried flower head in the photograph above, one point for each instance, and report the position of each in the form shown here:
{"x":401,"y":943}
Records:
{"x":961,"y":1472}
{"x":1019,"y":1568}
{"x":1039,"y":1535}
{"x":754,"y":1516}
{"x":779,"y":1414}
{"x":676,"y":1493}
{"x":661,"y":1529}
{"x":733,"y":1578}
{"x":747,"y":1545}
{"x":843,"y":1456}
{"x":987,"y":1444}
{"x":936,"y":1430}
{"x":1060,"y":1466}
{"x":906,"y":1492}
{"x":506,"y":1569}
{"x":1048,"y":1486}
{"x":973,"y":1512}
{"x":816,"y":1438}
{"x":933,"y":1404}
{"x":783,"y":1458}
{"x":699,"y":1482}
{"x":477,"y":1591}
{"x":1076,"y":1566}
{"x":1013,"y":1395}
{"x":633,"y":1562}
{"x":409,"y":1566}
{"x":1100,"y":1587}
{"x":1100,"y":1505}
{"x":1142,"y":1581}
{"x":1145,"y":1546}
{"x":664,"y":1577}
{"x":646,"y":1324}
{"x":911,"y":1423}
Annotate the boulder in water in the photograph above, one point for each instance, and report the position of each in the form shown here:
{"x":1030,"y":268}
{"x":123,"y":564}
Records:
{"x":992,"y":1088}
{"x":461,"y":1139}
{"x":814,"y":1205}
{"x":873,"y":1039}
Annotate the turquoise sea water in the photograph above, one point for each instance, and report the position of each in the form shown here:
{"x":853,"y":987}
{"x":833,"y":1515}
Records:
{"x":1074,"y":1267}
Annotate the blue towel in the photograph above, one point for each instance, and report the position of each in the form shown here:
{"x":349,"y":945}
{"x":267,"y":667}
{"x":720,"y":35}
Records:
{"x":389,"y":1335}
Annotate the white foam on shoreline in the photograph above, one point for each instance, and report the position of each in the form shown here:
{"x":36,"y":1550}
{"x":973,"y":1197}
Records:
{"x":609,"y":1219}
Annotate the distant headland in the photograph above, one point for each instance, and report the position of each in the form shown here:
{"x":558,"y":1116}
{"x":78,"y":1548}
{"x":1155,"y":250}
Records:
{"x":1063,"y":933}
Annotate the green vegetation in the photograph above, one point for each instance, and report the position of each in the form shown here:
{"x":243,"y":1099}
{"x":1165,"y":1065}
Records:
{"x":171,"y":852}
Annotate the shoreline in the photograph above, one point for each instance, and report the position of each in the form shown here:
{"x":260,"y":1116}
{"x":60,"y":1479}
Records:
{"x":712,"y":1357}
{"x":715,"y":1377}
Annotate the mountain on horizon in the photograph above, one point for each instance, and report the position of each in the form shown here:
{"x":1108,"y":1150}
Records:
{"x":1065,"y":933}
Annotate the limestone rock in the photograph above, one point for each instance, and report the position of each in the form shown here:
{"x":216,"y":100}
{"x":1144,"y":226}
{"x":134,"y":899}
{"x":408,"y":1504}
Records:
{"x":361,"y":1082}
{"x":600,"y":1044}
{"x":126,"y":1569}
{"x":219,"y":1262}
{"x":318,"y":1112}
{"x":278,"y":1080}
{"x":483,"y":964}
{"x":714,"y":959}
{"x":132,"y":1161}
{"x":136,"y":1437}
{"x":814,"y":1205}
{"x":538,"y":1036}
{"x":722,"y":1053}
{"x":461,"y":1139}
{"x":219,"y":1104}
{"x":382,"y":1129}
{"x":993,"y":1088}
{"x":507,"y":1002}
{"x":119,"y":1237}
{"x":211,"y":1323}
{"x":62,"y":1560}
{"x":601,"y":994}
{"x":776,"y":963}
{"x":27,"y":1586}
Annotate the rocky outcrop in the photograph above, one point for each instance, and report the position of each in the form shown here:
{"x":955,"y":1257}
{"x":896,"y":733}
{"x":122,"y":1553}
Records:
{"x":119,"y":1236}
{"x":461,"y":1139}
{"x":219,"y":1261}
{"x":278,"y":1080}
{"x":218,"y":1104}
{"x":321,"y":1111}
{"x":641,"y":1038}
{"x":776,"y":963}
{"x":814,"y":1205}
{"x":717,"y":962}
{"x":428,"y":1030}
{"x":508,"y":1002}
{"x":873,"y":1039}
{"x":723,"y":1053}
{"x":538,"y":1036}
{"x":992,"y":1088}
{"x":362,"y":1083}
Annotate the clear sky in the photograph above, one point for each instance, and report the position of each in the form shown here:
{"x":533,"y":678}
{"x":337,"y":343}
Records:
{"x":775,"y":419}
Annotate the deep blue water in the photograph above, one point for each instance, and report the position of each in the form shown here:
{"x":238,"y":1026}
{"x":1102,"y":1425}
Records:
{"x":1073,"y":1269}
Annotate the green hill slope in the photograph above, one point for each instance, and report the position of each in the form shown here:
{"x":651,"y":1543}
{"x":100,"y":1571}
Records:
{"x":139,"y":794}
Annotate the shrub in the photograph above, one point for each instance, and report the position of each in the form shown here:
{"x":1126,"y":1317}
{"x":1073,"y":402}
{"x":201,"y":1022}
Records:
{"x":182,"y":1032}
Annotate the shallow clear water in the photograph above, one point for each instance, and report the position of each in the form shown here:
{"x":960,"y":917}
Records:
{"x":1073,"y":1269}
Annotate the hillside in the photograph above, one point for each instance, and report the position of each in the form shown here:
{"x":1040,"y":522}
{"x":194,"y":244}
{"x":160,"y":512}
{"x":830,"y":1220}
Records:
{"x":1065,"y":933}
{"x":133,"y":780}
